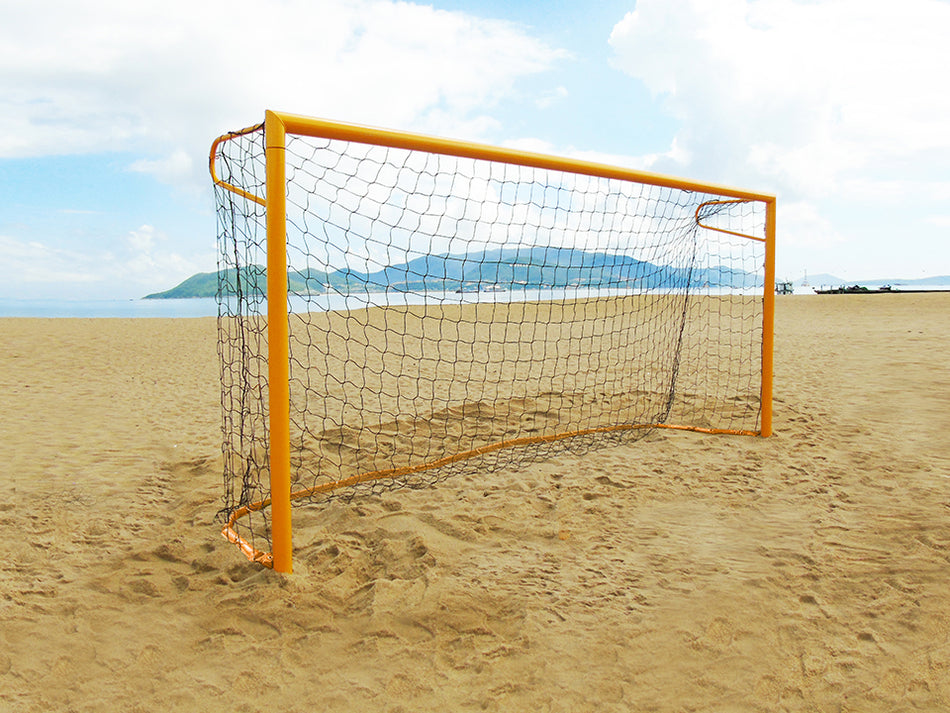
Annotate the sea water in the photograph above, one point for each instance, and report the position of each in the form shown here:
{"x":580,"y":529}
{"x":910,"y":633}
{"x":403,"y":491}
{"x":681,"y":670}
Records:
{"x":199,"y":307}
{"x":208,"y":307}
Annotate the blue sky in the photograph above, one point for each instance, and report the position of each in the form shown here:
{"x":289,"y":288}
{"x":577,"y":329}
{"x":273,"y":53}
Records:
{"x":108,"y":109}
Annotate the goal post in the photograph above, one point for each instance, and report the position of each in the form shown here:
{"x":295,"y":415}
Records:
{"x":395,"y":308}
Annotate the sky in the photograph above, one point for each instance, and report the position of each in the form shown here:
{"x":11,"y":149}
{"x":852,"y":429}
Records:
{"x":108,"y":109}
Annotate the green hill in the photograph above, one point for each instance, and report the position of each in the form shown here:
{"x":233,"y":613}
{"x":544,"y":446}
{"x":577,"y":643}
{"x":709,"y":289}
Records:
{"x":204,"y":284}
{"x":246,"y":281}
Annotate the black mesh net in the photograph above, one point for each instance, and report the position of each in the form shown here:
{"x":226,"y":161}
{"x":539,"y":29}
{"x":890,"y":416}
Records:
{"x":456,"y":315}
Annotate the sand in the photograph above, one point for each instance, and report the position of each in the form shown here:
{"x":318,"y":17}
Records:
{"x":804,"y":572}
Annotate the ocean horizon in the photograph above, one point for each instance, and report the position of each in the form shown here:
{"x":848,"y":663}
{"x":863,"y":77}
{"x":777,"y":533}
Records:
{"x":196,"y":307}
{"x":99,"y":309}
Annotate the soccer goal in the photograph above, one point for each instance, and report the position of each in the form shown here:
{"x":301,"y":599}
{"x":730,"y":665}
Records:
{"x":395,"y":309}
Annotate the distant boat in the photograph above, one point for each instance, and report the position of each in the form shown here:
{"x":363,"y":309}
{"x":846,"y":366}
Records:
{"x":852,"y":290}
{"x":476,"y":287}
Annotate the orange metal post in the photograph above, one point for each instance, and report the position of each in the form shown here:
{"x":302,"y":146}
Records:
{"x":214,"y":174}
{"x":768,"y":318}
{"x":278,"y":343}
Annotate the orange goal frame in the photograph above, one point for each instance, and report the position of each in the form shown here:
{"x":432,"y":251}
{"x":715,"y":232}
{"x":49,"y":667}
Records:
{"x":276,"y":128}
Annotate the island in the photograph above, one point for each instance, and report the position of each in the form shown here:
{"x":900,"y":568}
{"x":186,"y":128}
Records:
{"x":485,"y":270}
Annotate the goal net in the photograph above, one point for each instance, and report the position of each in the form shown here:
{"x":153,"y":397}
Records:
{"x":439,"y":308}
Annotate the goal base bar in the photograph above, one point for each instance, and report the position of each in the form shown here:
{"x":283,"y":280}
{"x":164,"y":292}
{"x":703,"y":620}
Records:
{"x":267,"y":559}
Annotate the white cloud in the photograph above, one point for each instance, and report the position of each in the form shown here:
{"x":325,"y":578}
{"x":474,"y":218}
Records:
{"x":837,"y":107}
{"x":804,"y":94}
{"x":803,"y":225}
{"x":164,"y":78}
{"x":177,"y":166}
{"x":141,"y":265}
{"x":142,"y":239}
{"x":149,"y":263}
{"x":29,"y":262}
{"x":637,"y":163}
{"x":551,"y":98}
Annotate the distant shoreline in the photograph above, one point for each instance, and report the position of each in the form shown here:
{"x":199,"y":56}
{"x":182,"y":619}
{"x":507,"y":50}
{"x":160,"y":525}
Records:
{"x":197,"y":307}
{"x":208,"y":306}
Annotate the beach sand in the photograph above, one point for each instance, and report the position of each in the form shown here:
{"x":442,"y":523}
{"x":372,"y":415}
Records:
{"x":804,"y":572}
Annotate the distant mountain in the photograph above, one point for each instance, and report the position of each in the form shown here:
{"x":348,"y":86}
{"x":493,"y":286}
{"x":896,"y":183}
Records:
{"x":530,"y":267}
{"x":204,"y":284}
{"x":247,"y":281}
{"x":820,"y":279}
{"x":508,"y":268}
